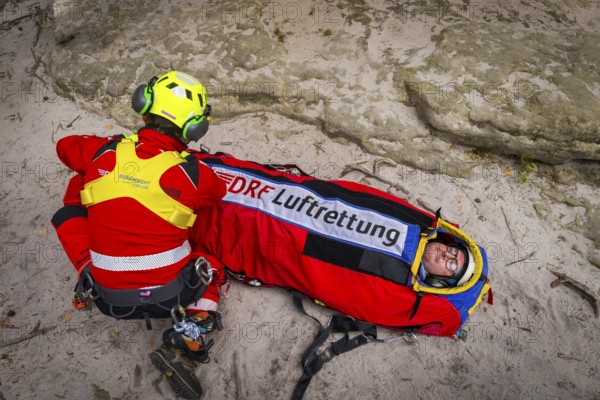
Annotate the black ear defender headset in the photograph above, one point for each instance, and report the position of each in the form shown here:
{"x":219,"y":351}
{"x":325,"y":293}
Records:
{"x":142,"y":98}
{"x":196,"y":127}
{"x":192,"y":130}
{"x":438,"y":281}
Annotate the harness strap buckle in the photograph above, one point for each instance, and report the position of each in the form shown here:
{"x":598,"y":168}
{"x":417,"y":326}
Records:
{"x":368,"y":337}
{"x":327,"y":355}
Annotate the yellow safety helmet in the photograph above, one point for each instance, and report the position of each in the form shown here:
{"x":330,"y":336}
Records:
{"x":177,"y":97}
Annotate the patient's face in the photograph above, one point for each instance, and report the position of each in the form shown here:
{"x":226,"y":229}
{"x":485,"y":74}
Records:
{"x":440,"y":259}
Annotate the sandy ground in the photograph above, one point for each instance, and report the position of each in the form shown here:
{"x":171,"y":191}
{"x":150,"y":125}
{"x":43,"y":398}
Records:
{"x":534,"y":342}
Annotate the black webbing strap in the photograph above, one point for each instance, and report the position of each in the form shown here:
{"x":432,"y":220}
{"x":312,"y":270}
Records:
{"x":416,"y":305}
{"x":312,"y":361}
{"x":146,"y":315}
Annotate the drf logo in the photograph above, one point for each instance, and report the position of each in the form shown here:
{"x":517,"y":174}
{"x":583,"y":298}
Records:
{"x":244,"y":185}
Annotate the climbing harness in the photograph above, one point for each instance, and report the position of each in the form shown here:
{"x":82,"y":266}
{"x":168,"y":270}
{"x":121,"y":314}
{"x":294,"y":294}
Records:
{"x":146,"y":303}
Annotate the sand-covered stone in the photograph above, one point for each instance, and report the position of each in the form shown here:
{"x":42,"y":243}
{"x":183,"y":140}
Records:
{"x":485,"y":80}
{"x":513,"y":90}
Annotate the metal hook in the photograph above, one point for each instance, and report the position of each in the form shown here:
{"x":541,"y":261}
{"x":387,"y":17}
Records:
{"x":86,"y":281}
{"x":411,"y":338}
{"x":177,"y":308}
{"x":204,"y":270}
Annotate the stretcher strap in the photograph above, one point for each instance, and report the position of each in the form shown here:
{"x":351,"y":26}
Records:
{"x":312,"y":361}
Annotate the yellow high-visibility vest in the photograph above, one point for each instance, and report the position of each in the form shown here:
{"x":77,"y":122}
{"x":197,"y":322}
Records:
{"x":138,"y":179}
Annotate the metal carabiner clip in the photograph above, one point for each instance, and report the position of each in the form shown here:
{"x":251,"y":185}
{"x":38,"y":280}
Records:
{"x":411,"y":338}
{"x":85,"y":287}
{"x":224,"y":289}
{"x":406,"y":337}
{"x":204,"y":270}
{"x":177,"y":308}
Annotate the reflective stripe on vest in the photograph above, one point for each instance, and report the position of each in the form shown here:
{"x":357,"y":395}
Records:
{"x":139,"y":179}
{"x":141,"y":263}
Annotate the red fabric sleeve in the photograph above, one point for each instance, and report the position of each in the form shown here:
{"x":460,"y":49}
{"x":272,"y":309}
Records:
{"x":211,"y":188}
{"x":210,"y":298}
{"x":77,"y":151}
{"x":73,"y":235}
{"x":72,"y":196}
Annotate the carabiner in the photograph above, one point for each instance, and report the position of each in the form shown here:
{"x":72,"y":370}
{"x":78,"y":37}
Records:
{"x":224,"y":289}
{"x":204,"y":270}
{"x":411,"y":338}
{"x":254,"y":282}
{"x":174,"y":310}
{"x":85,"y":287}
{"x":407,"y":337}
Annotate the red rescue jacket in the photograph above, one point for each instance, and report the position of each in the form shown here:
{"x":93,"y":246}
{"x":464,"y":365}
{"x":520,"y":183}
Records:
{"x":131,"y":247}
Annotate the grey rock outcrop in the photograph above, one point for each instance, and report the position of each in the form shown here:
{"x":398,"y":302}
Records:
{"x":516,"y":91}
{"x":486,"y":84}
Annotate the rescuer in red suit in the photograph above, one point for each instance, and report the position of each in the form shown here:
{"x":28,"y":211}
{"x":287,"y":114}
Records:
{"x":125,"y":220}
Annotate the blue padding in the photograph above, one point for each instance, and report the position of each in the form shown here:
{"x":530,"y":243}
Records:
{"x":413,"y":235}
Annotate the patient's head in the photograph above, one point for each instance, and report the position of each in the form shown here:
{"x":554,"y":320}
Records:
{"x":447,"y":265}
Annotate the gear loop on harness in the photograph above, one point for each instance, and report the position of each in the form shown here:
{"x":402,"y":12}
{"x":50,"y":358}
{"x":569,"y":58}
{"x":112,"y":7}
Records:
{"x":121,"y":316}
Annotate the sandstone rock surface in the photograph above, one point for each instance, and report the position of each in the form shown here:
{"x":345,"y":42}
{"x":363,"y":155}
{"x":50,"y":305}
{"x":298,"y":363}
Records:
{"x":521,"y":79}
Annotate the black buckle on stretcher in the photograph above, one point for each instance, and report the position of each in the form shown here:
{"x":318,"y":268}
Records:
{"x":327,"y":355}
